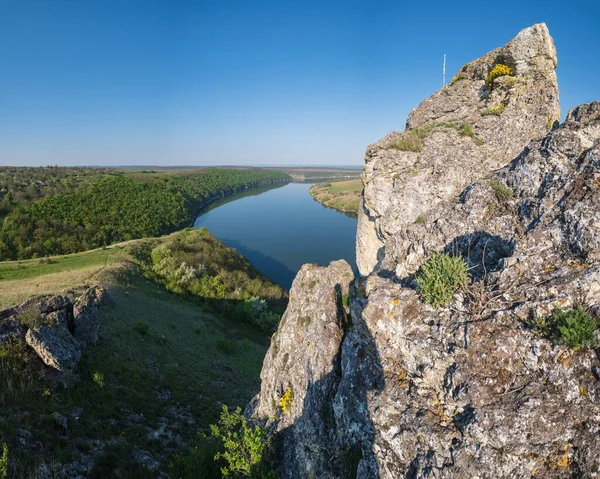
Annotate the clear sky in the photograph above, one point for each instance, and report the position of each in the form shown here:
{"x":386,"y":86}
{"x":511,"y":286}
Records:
{"x":89,"y":82}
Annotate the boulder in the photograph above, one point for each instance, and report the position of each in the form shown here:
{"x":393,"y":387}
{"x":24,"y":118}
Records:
{"x":55,"y":346}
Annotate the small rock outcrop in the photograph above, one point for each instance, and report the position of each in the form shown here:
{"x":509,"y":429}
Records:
{"x":473,"y":388}
{"x":55,"y":329}
{"x":469,"y":128}
{"x":55,"y":346}
{"x":85,"y":312}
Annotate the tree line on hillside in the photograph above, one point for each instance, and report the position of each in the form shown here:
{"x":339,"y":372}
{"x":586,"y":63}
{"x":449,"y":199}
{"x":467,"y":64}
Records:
{"x":119,"y":207}
{"x":21,"y":186}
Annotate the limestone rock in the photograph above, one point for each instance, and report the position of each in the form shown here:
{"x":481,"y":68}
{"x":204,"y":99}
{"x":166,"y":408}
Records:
{"x":11,"y":328}
{"x":466,"y":130}
{"x":55,"y":346}
{"x":85,"y":313}
{"x":303,"y":361}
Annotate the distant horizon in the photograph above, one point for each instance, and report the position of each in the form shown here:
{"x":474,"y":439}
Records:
{"x":191,"y":167}
{"x":247,"y":83}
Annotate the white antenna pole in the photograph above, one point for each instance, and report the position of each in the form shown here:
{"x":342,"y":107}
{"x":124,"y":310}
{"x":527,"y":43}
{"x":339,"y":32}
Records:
{"x":444,"y":71}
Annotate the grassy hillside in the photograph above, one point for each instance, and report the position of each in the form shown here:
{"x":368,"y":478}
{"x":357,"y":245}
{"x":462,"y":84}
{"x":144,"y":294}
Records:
{"x":160,"y":373}
{"x":340,"y":195}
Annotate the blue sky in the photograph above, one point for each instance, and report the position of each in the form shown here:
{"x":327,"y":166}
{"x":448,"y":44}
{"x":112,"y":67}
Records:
{"x":248,"y":82}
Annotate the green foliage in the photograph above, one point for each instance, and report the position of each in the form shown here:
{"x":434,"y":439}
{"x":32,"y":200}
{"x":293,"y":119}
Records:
{"x":119,"y":207}
{"x":457,"y":78}
{"x":465,"y":129}
{"x":441,"y":277}
{"x":412,"y":140}
{"x":345,"y":300}
{"x":4,"y":461}
{"x":573,"y":328}
{"x":31,"y":316}
{"x":226,"y":346}
{"x":141,"y":327}
{"x":498,"y":71}
{"x":287,"y":400}
{"x":420,"y":219}
{"x":244,"y":447}
{"x":196,"y":264}
{"x":503,"y":193}
{"x":496,"y":110}
{"x":98,"y":378}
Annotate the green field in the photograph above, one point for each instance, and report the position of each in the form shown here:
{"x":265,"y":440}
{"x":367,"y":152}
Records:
{"x":340,"y":195}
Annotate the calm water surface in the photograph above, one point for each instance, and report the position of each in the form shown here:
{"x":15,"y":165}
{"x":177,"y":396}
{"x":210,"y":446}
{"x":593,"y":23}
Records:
{"x":280,"y":229}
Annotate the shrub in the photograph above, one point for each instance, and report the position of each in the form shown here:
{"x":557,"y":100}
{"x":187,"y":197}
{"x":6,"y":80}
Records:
{"x":573,"y":328}
{"x":498,"y":71}
{"x":465,"y":129}
{"x":4,"y":461}
{"x":412,"y":140}
{"x":420,"y":219}
{"x":457,"y":78}
{"x":441,"y":277}
{"x":345,"y":300}
{"x":286,"y":401}
{"x":497,"y":110}
{"x":244,"y":447}
{"x":141,"y":327}
{"x":503,"y":193}
{"x":99,"y":379}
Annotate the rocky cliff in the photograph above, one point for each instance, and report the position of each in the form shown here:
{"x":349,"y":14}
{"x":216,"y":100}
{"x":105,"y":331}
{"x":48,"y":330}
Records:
{"x":364,"y":380}
{"x":473,"y":125}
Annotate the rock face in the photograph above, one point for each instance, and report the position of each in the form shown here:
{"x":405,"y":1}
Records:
{"x":466,"y":130}
{"x":471,"y":389}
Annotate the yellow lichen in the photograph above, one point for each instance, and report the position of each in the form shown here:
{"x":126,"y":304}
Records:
{"x":498,"y":71}
{"x":286,"y":401}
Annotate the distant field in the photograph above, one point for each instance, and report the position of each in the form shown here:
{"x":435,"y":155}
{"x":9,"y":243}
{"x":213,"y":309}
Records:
{"x":340,"y":195}
{"x":321,"y":174}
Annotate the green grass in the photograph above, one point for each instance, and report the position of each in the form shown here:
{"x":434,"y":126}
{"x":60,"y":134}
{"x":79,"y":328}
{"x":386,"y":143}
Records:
{"x":340,"y":195}
{"x":18,"y":270}
{"x":574,"y":328}
{"x":198,"y":360}
{"x":345,"y":186}
{"x":503,"y":193}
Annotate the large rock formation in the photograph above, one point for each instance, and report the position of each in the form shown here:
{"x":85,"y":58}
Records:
{"x":456,"y":136}
{"x":473,"y":389}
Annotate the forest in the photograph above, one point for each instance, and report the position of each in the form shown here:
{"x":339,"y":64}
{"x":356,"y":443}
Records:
{"x":98,"y":207}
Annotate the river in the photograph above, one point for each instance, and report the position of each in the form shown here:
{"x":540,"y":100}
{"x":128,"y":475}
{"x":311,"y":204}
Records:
{"x":281,"y":228}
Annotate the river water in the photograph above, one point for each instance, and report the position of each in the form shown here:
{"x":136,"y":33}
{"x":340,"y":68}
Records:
{"x":281,"y":228}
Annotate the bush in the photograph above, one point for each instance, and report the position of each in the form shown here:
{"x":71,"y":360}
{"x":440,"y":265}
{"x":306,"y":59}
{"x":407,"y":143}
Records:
{"x":457,"y":78}
{"x":99,"y":379}
{"x":498,"y":71}
{"x":497,"y":110}
{"x":226,"y":346}
{"x":141,"y":327}
{"x":441,"y":277}
{"x":573,"y":328}
{"x":244,"y":447}
{"x":412,"y":140}
{"x":503,"y":193}
{"x":286,"y":401}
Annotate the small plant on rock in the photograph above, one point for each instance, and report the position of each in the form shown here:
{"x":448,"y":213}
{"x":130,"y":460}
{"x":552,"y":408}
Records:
{"x":574,"y":328}
{"x":141,"y":327}
{"x":457,"y":78}
{"x":286,"y":401}
{"x":441,"y":277}
{"x":503,"y":193}
{"x":498,"y":71}
{"x":98,"y":378}
{"x":496,"y":110}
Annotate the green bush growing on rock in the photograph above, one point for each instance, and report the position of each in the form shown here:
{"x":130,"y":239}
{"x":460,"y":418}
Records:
{"x":503,"y":193}
{"x":498,"y":71}
{"x":496,"y":110}
{"x":441,"y":277}
{"x":573,"y":328}
{"x":244,"y":446}
{"x":412,"y":140}
{"x":457,"y":78}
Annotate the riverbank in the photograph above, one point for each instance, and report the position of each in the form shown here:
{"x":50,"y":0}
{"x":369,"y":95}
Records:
{"x":343,"y":196}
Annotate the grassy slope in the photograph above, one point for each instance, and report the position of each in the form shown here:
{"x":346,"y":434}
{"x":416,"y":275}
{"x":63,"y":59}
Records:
{"x":340,"y":195}
{"x":160,"y":388}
